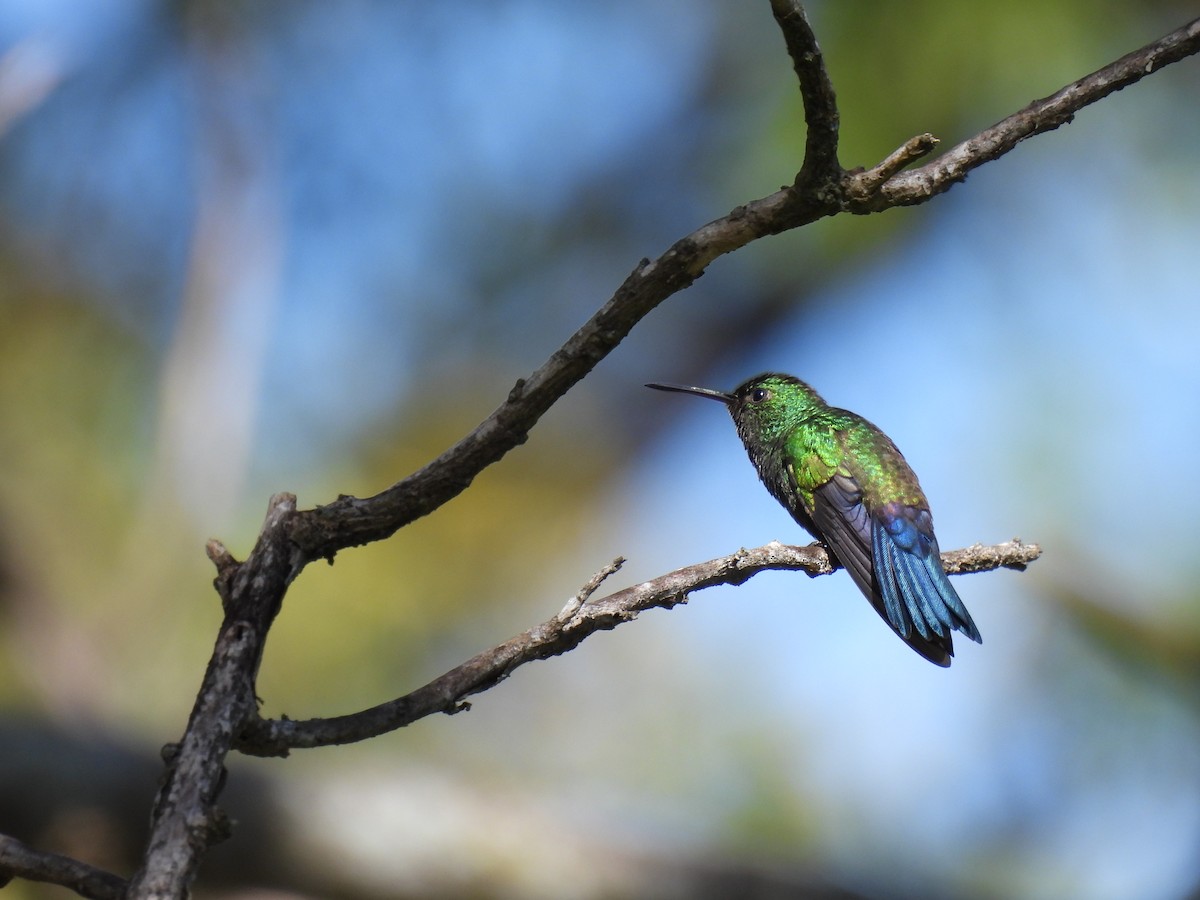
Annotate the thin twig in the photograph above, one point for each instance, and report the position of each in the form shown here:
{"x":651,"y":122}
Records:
{"x":919,"y":185}
{"x":18,"y":860}
{"x":562,"y":633}
{"x":567,"y":614}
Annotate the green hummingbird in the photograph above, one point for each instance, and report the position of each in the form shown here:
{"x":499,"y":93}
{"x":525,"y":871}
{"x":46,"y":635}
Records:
{"x":845,"y":482}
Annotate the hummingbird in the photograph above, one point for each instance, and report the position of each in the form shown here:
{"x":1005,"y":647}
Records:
{"x":844,"y":481}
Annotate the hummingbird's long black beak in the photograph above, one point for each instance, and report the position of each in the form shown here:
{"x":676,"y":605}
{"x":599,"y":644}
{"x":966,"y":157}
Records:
{"x":725,"y":398}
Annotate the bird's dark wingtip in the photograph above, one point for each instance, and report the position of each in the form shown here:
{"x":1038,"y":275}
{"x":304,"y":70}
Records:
{"x":939,"y":651}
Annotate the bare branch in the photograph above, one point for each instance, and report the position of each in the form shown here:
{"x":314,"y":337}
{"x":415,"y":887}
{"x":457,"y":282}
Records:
{"x":1043,"y":115}
{"x":820,"y":103}
{"x":979,"y":558}
{"x":17,"y":860}
{"x":564,"y":632}
{"x":350,"y":521}
{"x":185,"y":820}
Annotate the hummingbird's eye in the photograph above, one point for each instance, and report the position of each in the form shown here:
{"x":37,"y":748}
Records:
{"x":758,"y":395}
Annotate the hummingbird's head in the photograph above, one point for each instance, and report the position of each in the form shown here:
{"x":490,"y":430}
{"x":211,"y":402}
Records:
{"x":763,"y":408}
{"x":766,"y":407}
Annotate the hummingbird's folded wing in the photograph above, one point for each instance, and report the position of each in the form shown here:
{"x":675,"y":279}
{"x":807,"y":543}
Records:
{"x":898,"y":584}
{"x":845,"y":524}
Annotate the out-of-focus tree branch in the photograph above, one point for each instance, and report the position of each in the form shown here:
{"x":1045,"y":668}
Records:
{"x":20,"y":861}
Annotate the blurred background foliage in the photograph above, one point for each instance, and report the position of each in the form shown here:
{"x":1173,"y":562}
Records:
{"x":251,"y":247}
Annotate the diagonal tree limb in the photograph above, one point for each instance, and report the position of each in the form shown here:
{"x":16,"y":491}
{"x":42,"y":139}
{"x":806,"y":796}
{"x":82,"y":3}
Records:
{"x":580,"y":618}
{"x":351,"y":521}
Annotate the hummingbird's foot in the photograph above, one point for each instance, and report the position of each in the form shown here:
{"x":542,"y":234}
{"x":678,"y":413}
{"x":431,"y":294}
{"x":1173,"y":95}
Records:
{"x":833,"y":560}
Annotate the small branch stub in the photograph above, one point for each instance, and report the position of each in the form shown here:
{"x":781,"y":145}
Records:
{"x":568,"y":612}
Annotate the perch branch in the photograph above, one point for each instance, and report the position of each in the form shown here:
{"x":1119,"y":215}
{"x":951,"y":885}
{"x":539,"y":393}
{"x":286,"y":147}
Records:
{"x":580,"y":618}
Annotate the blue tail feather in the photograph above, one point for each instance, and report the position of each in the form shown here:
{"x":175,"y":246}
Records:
{"x":957,"y":615}
{"x":927,"y":609}
{"x":916,"y":594}
{"x":885,"y":575}
{"x":911,"y":591}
